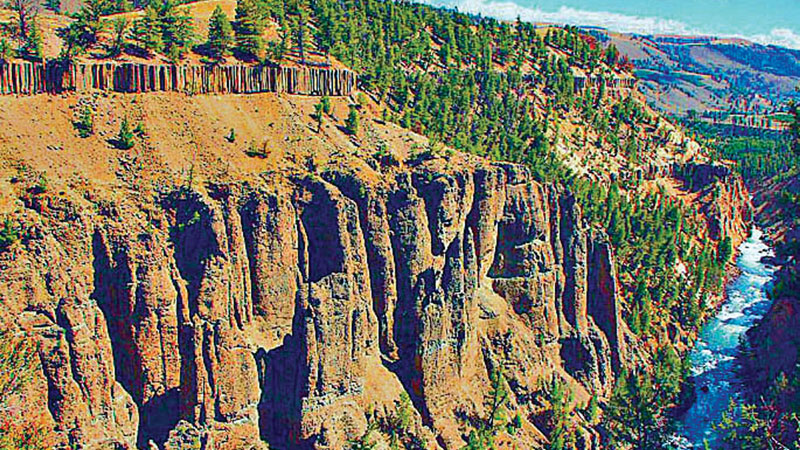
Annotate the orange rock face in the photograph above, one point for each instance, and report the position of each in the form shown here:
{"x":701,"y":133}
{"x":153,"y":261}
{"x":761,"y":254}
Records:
{"x":291,"y":311}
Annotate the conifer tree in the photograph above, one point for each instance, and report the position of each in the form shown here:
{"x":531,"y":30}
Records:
{"x":32,"y":44}
{"x":83,"y":33}
{"x":147,"y":31}
{"x":794,"y":108}
{"x":124,"y":139}
{"x":220,"y":35}
{"x":249,"y":28}
{"x":351,"y":123}
{"x":120,"y":28}
{"x":6,"y":52}
{"x":25,"y":13}
{"x":496,"y":399}
{"x":177,"y":30}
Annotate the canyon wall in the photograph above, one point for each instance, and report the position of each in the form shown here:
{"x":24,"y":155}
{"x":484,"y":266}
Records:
{"x":291,"y":310}
{"x":723,"y":198}
{"x":54,"y":77}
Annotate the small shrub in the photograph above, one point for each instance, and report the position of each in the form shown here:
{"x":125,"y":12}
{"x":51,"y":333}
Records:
{"x":8,"y":234}
{"x":385,"y":157}
{"x":85,"y":123}
{"x":231,"y":137}
{"x":179,"y":227}
{"x":255,"y":151}
{"x":40,"y":187}
{"x":351,"y":123}
{"x":124,"y":139}
{"x":326,"y":104}
{"x":139,"y":129}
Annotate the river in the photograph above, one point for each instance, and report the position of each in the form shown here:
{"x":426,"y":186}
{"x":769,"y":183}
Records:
{"x":713,"y":357}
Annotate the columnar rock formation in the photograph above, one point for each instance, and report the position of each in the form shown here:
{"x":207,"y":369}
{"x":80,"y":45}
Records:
{"x":55,"y":77}
{"x":282,"y":312}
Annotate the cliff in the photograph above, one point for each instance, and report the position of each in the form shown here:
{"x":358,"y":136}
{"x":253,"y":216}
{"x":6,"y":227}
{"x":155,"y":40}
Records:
{"x":722,"y":197}
{"x":182,"y":292}
{"x":284,"y":309}
{"x":55,"y":77}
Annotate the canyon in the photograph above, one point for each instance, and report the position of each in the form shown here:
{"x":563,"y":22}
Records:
{"x":292,"y":306}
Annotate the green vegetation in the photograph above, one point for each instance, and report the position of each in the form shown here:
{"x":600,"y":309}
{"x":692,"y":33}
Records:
{"x":120,"y":30}
{"x":795,"y":127}
{"x":351,"y":123}
{"x":637,"y":414}
{"x":220,"y":35}
{"x":146,"y":32}
{"x":767,"y":416}
{"x":318,"y":115}
{"x":84,"y":125}
{"x":124,"y":139}
{"x":164,"y":29}
{"x":9,"y":234}
{"x":749,"y":427}
{"x":482,"y":436}
{"x":364,"y":442}
{"x":249,"y":28}
{"x":24,"y":29}
{"x":83,"y":33}
{"x":32,"y":45}
{"x":560,"y":420}
{"x":256,"y":151}
{"x":651,"y":232}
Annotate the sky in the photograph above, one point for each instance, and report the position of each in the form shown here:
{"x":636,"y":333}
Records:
{"x":764,"y":21}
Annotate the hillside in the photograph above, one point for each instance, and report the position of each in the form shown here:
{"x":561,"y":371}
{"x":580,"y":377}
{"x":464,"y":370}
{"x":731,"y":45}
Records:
{"x":486,"y":242}
{"x":709,"y":75}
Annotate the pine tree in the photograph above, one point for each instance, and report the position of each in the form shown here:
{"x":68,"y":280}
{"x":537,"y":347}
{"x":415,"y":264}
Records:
{"x":318,"y":115}
{"x":325,"y":102}
{"x":725,"y":250}
{"x":32,"y":44}
{"x":560,"y":402}
{"x":124,"y":139}
{"x":249,"y":28}
{"x":25,"y":13}
{"x":177,"y":30}
{"x":635,"y":415}
{"x":147,"y":31}
{"x":496,"y":399}
{"x":83,"y":33}
{"x":6,"y":52}
{"x":593,"y":409}
{"x":220,"y":35}
{"x":120,"y":27}
{"x":351,"y":123}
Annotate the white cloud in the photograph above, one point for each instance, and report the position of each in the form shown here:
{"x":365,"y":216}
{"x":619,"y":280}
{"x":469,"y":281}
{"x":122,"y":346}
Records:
{"x":778,"y":36}
{"x":507,"y":10}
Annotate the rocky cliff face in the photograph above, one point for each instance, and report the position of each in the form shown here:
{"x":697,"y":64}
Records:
{"x":723,"y":198}
{"x":28,"y":78}
{"x":290,"y":309}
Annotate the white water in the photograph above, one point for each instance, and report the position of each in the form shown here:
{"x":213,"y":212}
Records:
{"x":714,"y":353}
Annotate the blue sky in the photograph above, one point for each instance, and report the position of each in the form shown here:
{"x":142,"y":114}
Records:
{"x":764,"y":21}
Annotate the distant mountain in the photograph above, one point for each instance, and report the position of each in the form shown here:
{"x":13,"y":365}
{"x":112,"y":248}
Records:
{"x":705,"y":74}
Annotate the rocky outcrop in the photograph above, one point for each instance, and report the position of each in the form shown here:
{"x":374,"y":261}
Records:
{"x":55,"y":77}
{"x":289,"y":311}
{"x":723,"y":196}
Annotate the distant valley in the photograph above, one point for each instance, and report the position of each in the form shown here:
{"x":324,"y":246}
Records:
{"x":709,"y":75}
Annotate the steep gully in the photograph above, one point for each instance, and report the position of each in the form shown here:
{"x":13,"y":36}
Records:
{"x":285,"y":310}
